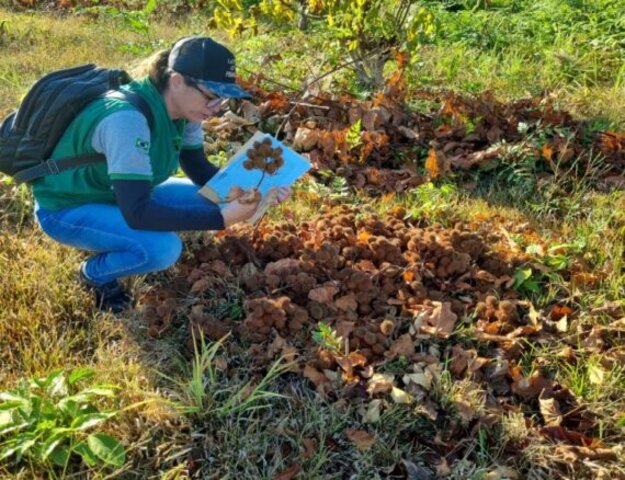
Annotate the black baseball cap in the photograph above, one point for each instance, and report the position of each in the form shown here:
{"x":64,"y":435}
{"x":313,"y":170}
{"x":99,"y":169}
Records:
{"x":209,"y":63}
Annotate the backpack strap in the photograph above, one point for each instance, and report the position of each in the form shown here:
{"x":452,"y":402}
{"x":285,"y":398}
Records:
{"x":136,"y":101}
{"x":52,"y":167}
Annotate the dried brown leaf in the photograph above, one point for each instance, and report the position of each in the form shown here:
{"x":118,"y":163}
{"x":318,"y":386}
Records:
{"x":276,"y":346}
{"x":441,"y":319}
{"x":380,"y":383}
{"x":549,"y":408}
{"x":314,"y":375}
{"x":571,"y":453}
{"x":529,"y":388}
{"x":594,"y":340}
{"x":310,"y":448}
{"x":464,"y":409}
{"x":290,"y":472}
{"x":437,"y":164}
{"x":347,"y":303}
{"x":344,"y":328}
{"x":324,"y":294}
{"x":201,"y":285}
{"x":459,"y":360}
{"x":361,"y":438}
{"x":564,"y":435}
{"x":282,"y":266}
{"x":305,"y":138}
{"x":404,"y":345}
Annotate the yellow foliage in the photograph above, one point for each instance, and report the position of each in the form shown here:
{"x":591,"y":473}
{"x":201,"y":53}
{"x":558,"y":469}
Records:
{"x":233,"y":20}
{"x":423,"y":24}
{"x":278,"y":10}
{"x":316,"y":6}
{"x":229,"y":5}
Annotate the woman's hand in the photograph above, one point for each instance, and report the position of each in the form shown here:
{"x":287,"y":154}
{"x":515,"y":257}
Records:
{"x":236,"y":211}
{"x":234,"y":193}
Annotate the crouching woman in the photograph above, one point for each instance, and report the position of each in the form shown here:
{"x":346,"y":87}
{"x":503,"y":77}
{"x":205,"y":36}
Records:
{"x":126,"y":210}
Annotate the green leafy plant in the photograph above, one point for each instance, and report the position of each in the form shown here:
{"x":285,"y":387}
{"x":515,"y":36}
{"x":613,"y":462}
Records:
{"x":366,"y":30}
{"x":526,"y":280}
{"x":430,"y":200}
{"x":327,"y":338}
{"x":547,"y":266}
{"x":49,"y":420}
{"x":559,"y":256}
{"x":354,"y":134}
{"x":336,"y":187}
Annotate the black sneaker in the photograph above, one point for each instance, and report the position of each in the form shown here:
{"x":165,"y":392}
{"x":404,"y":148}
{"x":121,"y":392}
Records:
{"x":109,"y":297}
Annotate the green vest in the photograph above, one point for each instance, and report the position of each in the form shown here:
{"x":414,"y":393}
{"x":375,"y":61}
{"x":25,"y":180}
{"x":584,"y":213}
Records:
{"x":92,"y":183}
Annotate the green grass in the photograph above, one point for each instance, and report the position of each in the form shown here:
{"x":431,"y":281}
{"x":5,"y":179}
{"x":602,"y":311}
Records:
{"x":248,"y":423}
{"x":521,"y":47}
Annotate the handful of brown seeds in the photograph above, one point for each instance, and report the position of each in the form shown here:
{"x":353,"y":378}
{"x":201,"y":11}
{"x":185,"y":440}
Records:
{"x":262,"y":156}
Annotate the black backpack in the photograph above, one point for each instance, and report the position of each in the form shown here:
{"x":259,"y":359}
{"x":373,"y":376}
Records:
{"x":28,"y":135}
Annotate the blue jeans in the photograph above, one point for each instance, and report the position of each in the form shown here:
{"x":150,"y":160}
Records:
{"x":120,"y":250}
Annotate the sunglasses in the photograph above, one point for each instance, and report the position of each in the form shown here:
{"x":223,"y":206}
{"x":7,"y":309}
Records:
{"x":212,"y":101}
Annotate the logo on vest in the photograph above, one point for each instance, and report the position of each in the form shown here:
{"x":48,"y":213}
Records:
{"x":143,"y":145}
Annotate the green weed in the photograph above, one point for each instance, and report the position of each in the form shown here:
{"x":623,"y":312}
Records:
{"x":335,"y":188}
{"x":432,"y":201}
{"x":591,"y":381}
{"x":46,"y":421}
{"x":205,"y":392}
{"x":327,"y":338}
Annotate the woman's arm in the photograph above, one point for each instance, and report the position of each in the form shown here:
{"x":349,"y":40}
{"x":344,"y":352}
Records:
{"x":142,"y":212}
{"x":192,"y":159}
{"x":195,"y":165}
